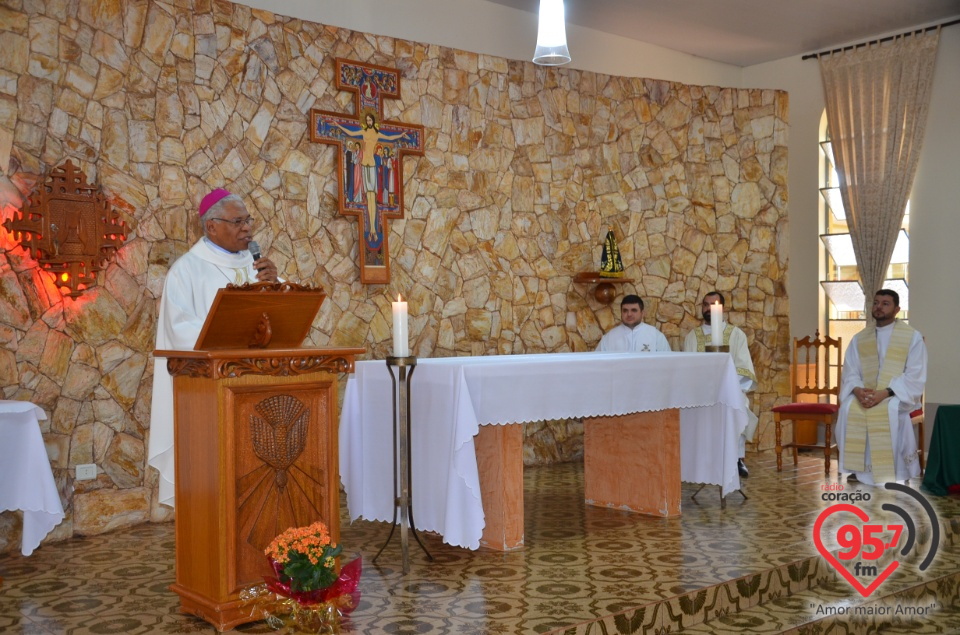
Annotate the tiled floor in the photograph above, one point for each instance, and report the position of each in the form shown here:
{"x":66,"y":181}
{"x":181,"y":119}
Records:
{"x":580,"y":565}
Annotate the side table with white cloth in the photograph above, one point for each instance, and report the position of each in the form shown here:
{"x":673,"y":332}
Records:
{"x":456,"y":401}
{"x":25,"y":474}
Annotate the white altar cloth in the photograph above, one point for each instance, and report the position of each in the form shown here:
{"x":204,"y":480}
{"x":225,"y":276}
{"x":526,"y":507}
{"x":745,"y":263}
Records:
{"x":451,"y":397}
{"x":25,"y":474}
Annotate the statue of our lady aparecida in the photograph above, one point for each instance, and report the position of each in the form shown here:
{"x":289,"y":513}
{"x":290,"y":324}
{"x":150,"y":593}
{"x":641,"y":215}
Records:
{"x":611,"y":266}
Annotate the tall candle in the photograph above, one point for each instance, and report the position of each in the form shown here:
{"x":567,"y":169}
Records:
{"x":716,"y":324}
{"x":401,"y":337}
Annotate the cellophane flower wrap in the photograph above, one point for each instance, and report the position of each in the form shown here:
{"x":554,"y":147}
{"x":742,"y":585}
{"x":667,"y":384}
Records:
{"x":307,"y":593}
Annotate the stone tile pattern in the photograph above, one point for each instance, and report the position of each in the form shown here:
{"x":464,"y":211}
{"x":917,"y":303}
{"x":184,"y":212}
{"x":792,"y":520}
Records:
{"x":525,"y":169}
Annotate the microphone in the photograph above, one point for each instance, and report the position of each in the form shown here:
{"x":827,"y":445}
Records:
{"x":254,"y":249}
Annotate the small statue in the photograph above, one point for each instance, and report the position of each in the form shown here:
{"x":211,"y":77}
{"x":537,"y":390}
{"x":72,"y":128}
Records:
{"x":611,"y":266}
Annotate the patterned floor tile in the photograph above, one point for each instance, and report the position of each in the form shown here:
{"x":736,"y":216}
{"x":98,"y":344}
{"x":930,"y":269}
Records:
{"x":584,"y":571}
{"x":22,"y":625}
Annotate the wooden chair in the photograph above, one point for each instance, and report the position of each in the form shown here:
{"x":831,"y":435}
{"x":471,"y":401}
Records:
{"x":816,"y":381}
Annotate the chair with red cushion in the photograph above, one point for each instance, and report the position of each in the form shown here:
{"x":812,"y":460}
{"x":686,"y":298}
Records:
{"x":815,"y":396}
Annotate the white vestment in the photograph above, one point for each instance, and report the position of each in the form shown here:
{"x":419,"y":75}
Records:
{"x":188,"y":292}
{"x":737,"y":341}
{"x":641,"y":339}
{"x":908,"y":390}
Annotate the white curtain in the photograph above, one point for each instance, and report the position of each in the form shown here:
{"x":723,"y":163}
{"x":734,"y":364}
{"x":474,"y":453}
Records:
{"x":877,"y":99}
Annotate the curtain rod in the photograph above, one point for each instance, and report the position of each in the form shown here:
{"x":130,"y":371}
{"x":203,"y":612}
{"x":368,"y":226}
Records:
{"x":883,"y":39}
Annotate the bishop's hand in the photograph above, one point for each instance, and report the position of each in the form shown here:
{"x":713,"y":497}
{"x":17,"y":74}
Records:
{"x":266,"y":270}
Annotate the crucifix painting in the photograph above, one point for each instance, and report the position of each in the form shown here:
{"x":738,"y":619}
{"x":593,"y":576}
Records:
{"x":370,"y":155}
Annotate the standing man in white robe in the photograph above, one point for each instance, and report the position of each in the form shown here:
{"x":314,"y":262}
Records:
{"x":632,"y":335}
{"x":884,"y":372}
{"x":696,"y":342}
{"x":219,"y":258}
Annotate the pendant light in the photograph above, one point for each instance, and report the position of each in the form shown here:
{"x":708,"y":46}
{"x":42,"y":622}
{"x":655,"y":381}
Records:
{"x":551,"y":35}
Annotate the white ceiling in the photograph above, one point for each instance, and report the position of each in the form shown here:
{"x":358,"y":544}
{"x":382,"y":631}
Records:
{"x":748,"y":32}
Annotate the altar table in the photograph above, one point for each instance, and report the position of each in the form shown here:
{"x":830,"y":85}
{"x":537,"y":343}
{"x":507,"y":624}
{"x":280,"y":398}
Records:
{"x":451,"y":398}
{"x":25,"y":472}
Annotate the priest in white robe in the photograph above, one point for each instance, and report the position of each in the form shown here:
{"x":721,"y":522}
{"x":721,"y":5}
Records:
{"x":696,"y":342}
{"x":632,"y":335}
{"x":219,"y":258}
{"x":884,"y":372}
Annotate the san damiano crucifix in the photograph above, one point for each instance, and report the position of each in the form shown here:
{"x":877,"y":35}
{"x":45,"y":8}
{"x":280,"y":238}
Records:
{"x":370,"y":155}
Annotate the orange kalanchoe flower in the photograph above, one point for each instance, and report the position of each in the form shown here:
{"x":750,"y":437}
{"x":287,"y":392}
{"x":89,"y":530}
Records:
{"x":308,"y":593}
{"x":305,"y":557}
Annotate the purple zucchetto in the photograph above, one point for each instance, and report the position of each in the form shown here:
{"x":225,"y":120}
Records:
{"x":212,"y":198}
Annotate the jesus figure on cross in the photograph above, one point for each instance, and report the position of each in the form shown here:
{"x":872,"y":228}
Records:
{"x":371,"y":136}
{"x":370,"y":153}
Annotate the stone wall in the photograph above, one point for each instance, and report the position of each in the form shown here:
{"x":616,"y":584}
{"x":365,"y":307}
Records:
{"x":524,"y":170}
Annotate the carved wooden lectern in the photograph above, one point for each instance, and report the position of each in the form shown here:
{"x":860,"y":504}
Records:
{"x":255,"y":442}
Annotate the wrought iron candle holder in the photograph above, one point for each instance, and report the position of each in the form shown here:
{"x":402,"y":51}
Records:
{"x":402,"y":473}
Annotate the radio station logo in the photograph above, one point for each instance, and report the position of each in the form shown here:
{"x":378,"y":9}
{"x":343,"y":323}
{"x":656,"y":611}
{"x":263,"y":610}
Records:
{"x":864,"y":540}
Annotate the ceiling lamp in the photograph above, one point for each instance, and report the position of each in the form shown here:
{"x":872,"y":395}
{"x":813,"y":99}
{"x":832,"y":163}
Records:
{"x":551,"y":36}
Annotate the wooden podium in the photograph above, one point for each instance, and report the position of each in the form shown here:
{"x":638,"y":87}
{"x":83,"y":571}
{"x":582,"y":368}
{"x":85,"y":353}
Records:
{"x":255,"y":442}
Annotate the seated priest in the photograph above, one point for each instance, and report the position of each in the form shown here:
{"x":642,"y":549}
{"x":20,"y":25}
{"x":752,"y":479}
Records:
{"x":696,"y":342}
{"x":884,"y":372}
{"x":632,"y":335}
{"x":219,"y":258}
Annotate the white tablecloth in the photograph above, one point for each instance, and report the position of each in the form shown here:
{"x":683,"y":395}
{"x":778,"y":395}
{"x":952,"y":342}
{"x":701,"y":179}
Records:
{"x":452,"y":397}
{"x":26,"y":480}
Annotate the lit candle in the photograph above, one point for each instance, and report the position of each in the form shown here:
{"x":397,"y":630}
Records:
{"x":401,"y":343}
{"x":716,"y":324}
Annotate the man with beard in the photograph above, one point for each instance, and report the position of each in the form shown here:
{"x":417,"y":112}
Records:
{"x":884,"y":372}
{"x":696,"y":341}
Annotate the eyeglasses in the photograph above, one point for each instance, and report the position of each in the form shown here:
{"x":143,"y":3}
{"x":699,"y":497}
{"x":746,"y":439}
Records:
{"x":249,"y":221}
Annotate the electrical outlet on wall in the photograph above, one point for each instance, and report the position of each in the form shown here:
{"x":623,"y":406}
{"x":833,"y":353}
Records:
{"x":87,"y":472}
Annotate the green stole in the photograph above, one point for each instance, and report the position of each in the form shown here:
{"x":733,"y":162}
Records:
{"x":875,"y":422}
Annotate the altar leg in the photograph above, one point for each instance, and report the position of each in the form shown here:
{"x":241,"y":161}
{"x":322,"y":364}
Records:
{"x":500,"y":465}
{"x":632,"y":462}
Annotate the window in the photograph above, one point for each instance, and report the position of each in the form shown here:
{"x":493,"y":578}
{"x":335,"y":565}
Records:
{"x":843,"y":294}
